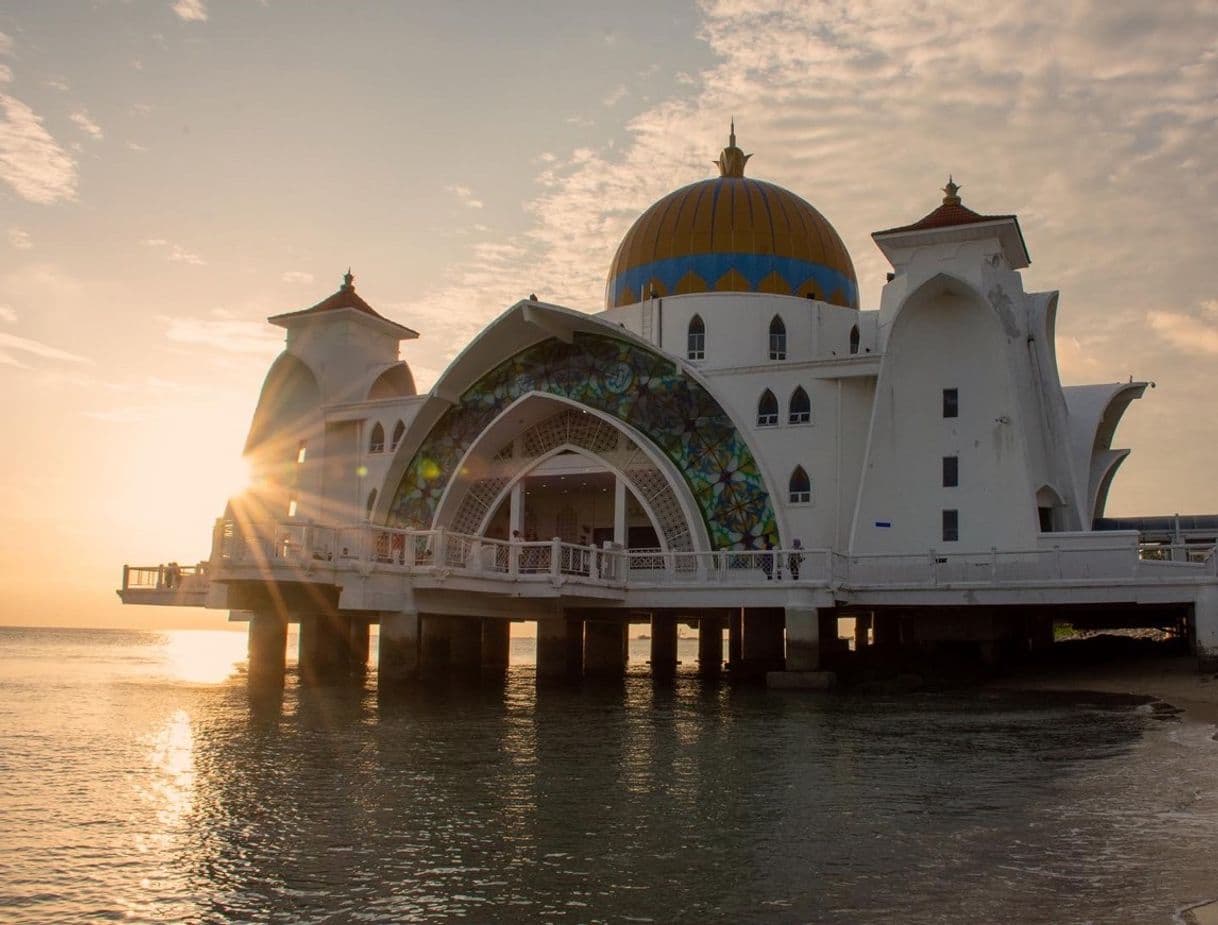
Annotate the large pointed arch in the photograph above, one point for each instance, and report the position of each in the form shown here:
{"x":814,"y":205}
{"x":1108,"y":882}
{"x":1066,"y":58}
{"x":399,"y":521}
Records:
{"x":618,"y":378}
{"x":538,"y":427}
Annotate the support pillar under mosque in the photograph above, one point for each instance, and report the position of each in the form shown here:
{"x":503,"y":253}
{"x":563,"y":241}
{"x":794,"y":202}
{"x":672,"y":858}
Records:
{"x":862,"y":631}
{"x":811,"y":635}
{"x":663,"y":645}
{"x":710,"y":645}
{"x":605,"y":648}
{"x":735,"y":636}
{"x":465,"y":643}
{"x":1204,"y":633}
{"x":763,"y":637}
{"x":435,"y":644}
{"x":559,"y":648}
{"x":496,"y":645}
{"x":325,"y":647}
{"x":268,"y":640}
{"x":358,"y":645}
{"x":398,"y":659}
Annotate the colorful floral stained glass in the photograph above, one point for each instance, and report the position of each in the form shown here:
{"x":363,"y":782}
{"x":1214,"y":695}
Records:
{"x":639,"y":388}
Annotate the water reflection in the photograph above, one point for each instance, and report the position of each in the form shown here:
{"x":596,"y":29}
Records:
{"x":497,"y":801}
{"x":201,"y":656}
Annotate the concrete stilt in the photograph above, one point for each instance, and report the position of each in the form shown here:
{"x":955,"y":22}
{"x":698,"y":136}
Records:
{"x":465,"y":645}
{"x":268,"y":639}
{"x":710,"y":645}
{"x":735,"y":636}
{"x":357,"y":645}
{"x":324,"y":647}
{"x":763,"y":637}
{"x":1205,"y":628}
{"x":559,"y":648}
{"x":887,"y":628}
{"x":663,"y":645}
{"x":399,"y":650}
{"x":605,"y":648}
{"x":803,"y":639}
{"x":435,"y":644}
{"x":496,"y":644}
{"x":862,"y":631}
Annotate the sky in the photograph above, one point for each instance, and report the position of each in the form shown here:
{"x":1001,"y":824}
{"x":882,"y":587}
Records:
{"x":172,"y":172}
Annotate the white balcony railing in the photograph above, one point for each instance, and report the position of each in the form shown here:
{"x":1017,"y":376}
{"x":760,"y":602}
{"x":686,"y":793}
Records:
{"x":364,"y":548}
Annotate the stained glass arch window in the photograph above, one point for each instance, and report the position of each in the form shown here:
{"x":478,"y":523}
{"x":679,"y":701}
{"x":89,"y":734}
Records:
{"x":801,"y":486}
{"x":696,"y":342}
{"x":800,"y":408}
{"x":376,"y":443}
{"x":767,"y":410}
{"x":778,"y":339}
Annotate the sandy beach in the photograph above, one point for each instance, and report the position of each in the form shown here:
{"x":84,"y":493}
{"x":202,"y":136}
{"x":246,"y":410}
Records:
{"x":1171,"y":679}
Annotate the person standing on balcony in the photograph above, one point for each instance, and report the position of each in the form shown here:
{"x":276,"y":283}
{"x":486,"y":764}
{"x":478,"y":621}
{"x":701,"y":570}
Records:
{"x":795,"y":558}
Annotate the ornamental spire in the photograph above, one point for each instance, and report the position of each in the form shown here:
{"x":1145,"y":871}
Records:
{"x":731,"y":159}
{"x":952,"y":191}
{"x":348,"y":280}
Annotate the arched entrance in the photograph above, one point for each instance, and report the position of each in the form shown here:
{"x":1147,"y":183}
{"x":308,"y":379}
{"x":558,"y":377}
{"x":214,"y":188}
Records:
{"x":584,"y":454}
{"x":664,"y":409}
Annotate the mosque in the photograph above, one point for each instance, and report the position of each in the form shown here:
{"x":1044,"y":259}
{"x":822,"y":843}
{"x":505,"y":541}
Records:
{"x":732,"y":444}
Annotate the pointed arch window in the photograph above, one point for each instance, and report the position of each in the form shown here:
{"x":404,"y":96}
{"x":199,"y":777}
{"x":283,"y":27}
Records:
{"x":778,"y":339}
{"x":399,"y":431}
{"x":371,"y":503}
{"x":767,"y":410}
{"x":800,"y":409}
{"x":800,"y":486}
{"x":376,"y":443}
{"x":696,"y":341}
{"x":854,"y":339}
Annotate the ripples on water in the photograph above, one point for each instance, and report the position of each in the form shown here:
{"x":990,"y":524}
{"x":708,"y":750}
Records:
{"x":140,"y":781}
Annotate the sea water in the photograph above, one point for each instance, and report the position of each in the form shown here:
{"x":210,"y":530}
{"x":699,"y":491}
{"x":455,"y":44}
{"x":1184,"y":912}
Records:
{"x":142,"y":781}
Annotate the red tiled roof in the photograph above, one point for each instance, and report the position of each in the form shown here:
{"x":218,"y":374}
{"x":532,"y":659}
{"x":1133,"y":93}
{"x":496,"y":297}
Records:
{"x":346,"y":297}
{"x":945,"y":216}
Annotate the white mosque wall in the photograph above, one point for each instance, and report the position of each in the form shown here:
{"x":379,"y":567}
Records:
{"x":946,"y":337}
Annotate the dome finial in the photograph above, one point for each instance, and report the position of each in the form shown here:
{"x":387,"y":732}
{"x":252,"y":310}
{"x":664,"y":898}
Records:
{"x":731,"y":159}
{"x":952,"y":191}
{"x":348,"y":280}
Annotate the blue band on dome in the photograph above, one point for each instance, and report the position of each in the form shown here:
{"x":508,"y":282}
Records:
{"x":753,"y":267}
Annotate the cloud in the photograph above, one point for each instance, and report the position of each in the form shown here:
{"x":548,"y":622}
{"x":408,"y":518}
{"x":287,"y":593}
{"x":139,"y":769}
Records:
{"x":465,"y":195}
{"x":6,"y":74}
{"x":7,"y":314}
{"x":19,"y":239}
{"x":1195,"y":334}
{"x":11,"y":342}
{"x":175,"y":252}
{"x":616,"y":95}
{"x":87,"y":125}
{"x":191,"y":10}
{"x":31,"y":161}
{"x":224,"y":334}
{"x":297,"y":276}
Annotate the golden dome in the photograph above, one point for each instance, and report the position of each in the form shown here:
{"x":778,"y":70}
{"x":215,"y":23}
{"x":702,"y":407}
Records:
{"x":732,"y":234}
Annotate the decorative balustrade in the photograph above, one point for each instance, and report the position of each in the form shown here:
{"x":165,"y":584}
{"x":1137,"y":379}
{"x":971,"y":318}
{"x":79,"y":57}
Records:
{"x":366,"y":547}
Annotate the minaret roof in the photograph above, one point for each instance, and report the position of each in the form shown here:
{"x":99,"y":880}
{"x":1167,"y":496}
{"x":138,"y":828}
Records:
{"x":952,"y":213}
{"x":345,"y":298}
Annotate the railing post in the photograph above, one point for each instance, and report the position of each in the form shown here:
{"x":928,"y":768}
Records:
{"x":555,"y":557}
{"x":439,"y":551}
{"x":1057,"y":561}
{"x":934,"y":568}
{"x":514,"y":550}
{"x":593,"y":566}
{"x":993,"y":564}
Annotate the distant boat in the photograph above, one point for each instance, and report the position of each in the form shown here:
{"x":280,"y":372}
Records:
{"x":642,"y":636}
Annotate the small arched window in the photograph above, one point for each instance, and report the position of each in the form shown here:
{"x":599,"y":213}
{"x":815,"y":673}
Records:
{"x":854,"y":339}
{"x":696,"y":344}
{"x":800,"y":408}
{"x":399,"y":431}
{"x":778,"y":339}
{"x":767,"y":410}
{"x":370,"y":504}
{"x":801,"y":486}
{"x":376,"y":443}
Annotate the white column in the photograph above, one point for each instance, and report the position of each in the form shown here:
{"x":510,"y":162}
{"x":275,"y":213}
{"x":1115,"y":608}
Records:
{"x":619,"y":511}
{"x":516,"y":509}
